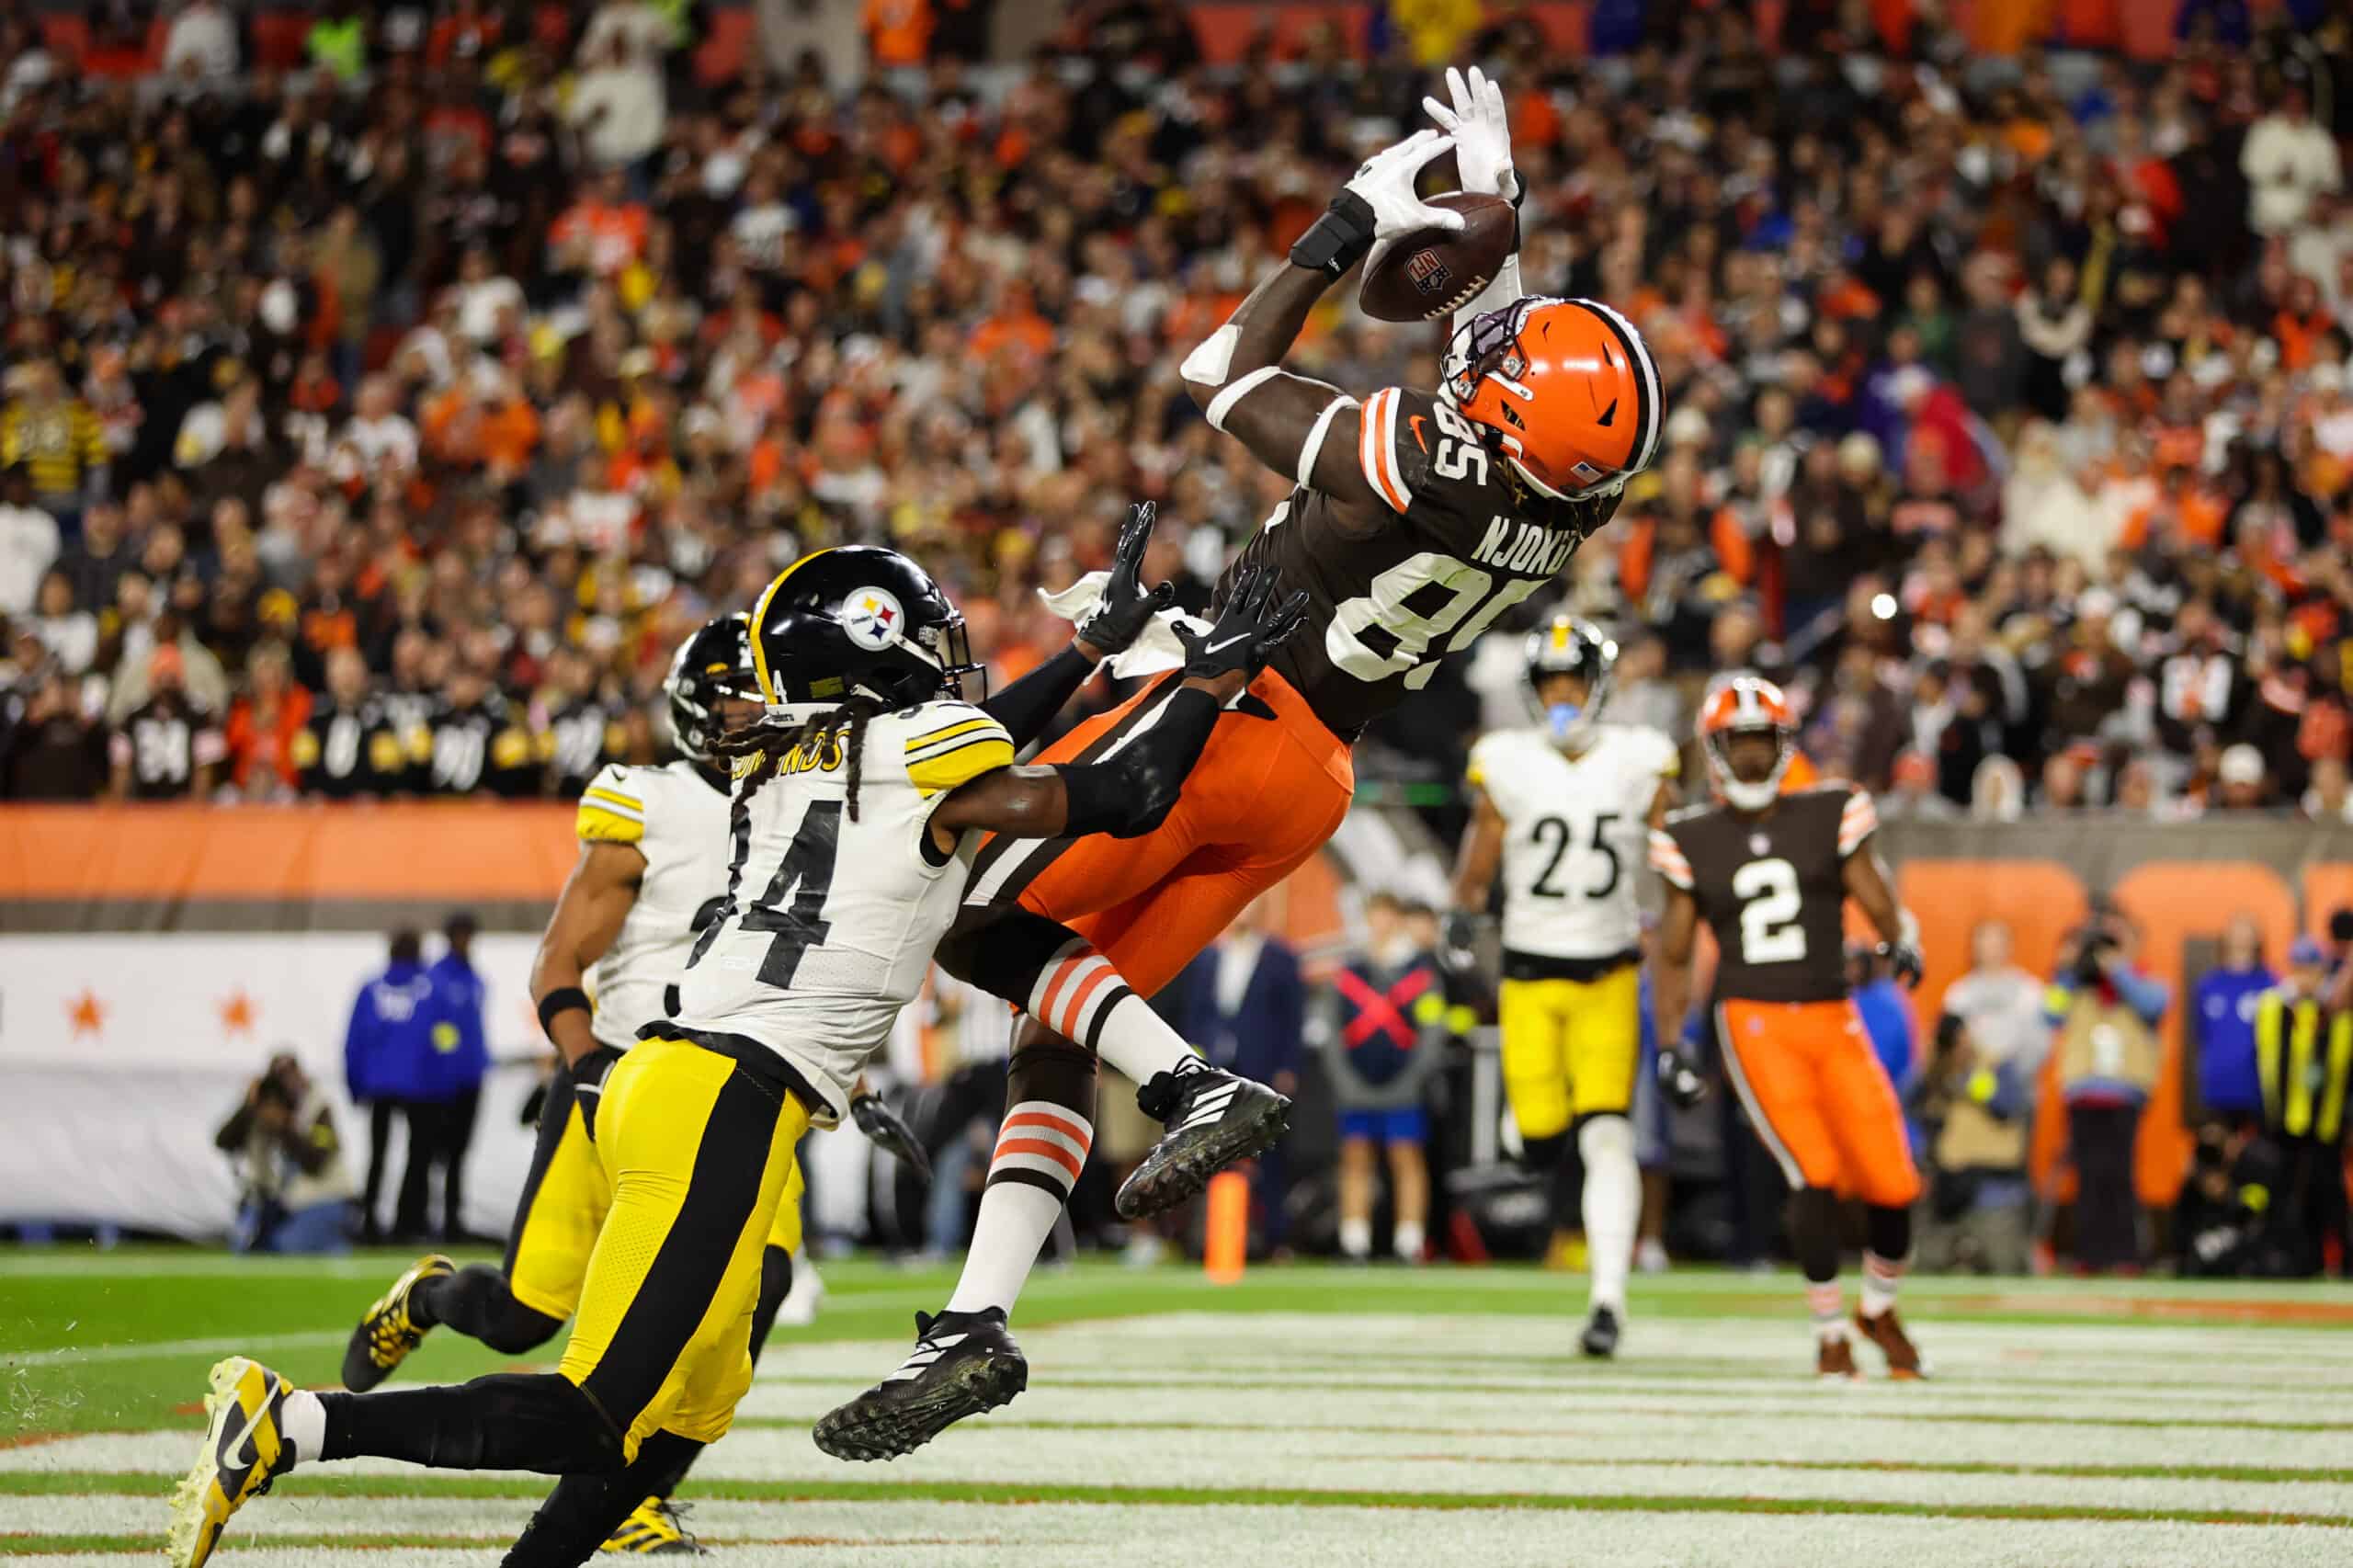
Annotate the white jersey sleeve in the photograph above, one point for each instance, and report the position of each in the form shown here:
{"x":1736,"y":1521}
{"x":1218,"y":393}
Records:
{"x":676,"y":816}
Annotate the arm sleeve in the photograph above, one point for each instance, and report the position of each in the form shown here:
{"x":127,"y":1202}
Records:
{"x":612,"y":809}
{"x":955,"y":744}
{"x":357,"y":1041}
{"x":1668,"y":859}
{"x":1856,"y":821}
{"x":2144,"y":994}
{"x":1025,"y":707}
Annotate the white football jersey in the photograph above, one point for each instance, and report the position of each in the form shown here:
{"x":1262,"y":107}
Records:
{"x":1575,"y":831}
{"x":677,"y":819}
{"x":830,"y":922}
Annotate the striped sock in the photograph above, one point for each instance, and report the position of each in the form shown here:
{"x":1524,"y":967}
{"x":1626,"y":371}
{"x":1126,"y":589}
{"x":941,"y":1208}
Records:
{"x":1828,"y":1304}
{"x":1081,"y":997}
{"x":1040,"y":1149}
{"x":1880,"y":1278}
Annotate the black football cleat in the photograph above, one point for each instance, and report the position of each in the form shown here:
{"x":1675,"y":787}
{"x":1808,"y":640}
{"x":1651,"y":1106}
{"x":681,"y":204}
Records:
{"x":964,"y":1363}
{"x":1213,"y":1118}
{"x":390,"y":1331}
{"x":1599,"y":1339}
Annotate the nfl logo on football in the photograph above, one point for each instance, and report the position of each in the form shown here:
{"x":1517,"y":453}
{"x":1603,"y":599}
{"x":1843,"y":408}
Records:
{"x":1428,"y":272}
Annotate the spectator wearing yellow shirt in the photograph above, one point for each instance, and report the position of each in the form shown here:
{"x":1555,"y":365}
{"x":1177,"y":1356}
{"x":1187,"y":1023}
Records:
{"x":58,"y":439}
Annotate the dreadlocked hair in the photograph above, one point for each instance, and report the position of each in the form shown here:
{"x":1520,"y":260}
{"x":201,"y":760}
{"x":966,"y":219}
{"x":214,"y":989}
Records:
{"x":842,"y":729}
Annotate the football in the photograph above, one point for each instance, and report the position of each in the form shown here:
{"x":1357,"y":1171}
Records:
{"x":1425,"y":275}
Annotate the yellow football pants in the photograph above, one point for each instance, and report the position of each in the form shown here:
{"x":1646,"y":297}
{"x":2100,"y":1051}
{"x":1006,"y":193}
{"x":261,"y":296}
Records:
{"x":697,"y":1152}
{"x":1570,"y":1047}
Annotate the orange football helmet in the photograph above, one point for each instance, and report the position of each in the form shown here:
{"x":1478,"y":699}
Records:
{"x":1568,"y":387}
{"x":1744,"y":705}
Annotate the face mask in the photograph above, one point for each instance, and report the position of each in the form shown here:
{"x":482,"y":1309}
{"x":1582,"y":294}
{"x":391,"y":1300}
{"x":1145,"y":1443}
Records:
{"x":1561,"y":717}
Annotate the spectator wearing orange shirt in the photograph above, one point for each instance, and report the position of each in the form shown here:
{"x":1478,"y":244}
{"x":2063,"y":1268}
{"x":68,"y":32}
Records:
{"x":898,"y":33}
{"x":603,"y":232}
{"x":263,"y":723}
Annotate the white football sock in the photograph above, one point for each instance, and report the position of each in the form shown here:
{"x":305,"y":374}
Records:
{"x":1355,"y":1238}
{"x":1881,"y":1277}
{"x":303,"y":1422}
{"x":1082,"y":998}
{"x":1040,"y":1149}
{"x":1827,"y":1303}
{"x":1408,"y":1241}
{"x":1613,"y":1205}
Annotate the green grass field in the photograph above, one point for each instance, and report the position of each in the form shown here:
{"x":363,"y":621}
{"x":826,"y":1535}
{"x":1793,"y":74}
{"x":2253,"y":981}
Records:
{"x":1309,"y":1415}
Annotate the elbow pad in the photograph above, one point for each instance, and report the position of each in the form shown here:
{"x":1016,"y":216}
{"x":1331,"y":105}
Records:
{"x":1131,"y":793}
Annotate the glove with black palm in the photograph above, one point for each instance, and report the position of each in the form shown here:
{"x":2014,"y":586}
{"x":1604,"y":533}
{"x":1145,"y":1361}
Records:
{"x":589,"y":1076}
{"x":1679,"y":1080}
{"x":1128,"y":606}
{"x":1248,"y":632}
{"x":889,"y":1132}
{"x":1457,"y":942}
{"x":1904,"y":958}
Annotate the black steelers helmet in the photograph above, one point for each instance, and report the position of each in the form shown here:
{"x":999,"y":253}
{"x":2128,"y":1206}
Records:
{"x":858,"y":621}
{"x":712,"y":665}
{"x":1565,"y":645}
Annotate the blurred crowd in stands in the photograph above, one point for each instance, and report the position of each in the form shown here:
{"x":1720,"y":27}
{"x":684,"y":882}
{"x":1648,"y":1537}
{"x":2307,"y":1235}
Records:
{"x":381,"y":426}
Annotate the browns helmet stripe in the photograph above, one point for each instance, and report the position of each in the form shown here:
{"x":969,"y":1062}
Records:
{"x":1648,"y":424}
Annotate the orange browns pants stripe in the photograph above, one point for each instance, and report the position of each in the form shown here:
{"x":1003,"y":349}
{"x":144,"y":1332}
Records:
{"x":1272,"y":785}
{"x":1818,"y":1097}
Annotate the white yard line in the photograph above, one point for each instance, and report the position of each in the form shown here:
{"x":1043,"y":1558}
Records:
{"x":250,"y":1343}
{"x":1054,"y":1537}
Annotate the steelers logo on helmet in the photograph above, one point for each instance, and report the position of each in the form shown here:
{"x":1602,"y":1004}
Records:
{"x":872,"y":617}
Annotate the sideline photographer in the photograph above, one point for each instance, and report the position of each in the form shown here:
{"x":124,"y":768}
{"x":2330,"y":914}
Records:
{"x":297,"y":1187}
{"x":1975,"y":1112}
{"x":2107,"y":1012}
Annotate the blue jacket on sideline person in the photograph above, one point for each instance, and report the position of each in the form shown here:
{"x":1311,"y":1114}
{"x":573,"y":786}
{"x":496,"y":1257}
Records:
{"x":461,"y":1055}
{"x":388,"y":1049}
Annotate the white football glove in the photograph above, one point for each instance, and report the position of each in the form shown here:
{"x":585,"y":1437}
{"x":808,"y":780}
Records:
{"x":1385,"y":183}
{"x":1482,"y":131}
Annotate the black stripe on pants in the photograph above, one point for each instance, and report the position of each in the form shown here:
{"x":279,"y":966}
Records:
{"x":676,"y":1292}
{"x":555,"y":1115}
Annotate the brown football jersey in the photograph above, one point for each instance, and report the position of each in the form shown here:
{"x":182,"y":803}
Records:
{"x":1466,"y":544}
{"x":1773,"y":889}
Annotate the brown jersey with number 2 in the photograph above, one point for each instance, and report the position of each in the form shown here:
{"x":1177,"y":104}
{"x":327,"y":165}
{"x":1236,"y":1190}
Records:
{"x":1772,"y":888}
{"x":1465,"y":544}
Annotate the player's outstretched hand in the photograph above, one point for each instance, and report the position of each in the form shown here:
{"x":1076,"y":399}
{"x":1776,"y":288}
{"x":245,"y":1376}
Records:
{"x":1251,"y":628}
{"x":1678,"y":1080}
{"x":889,"y":1132}
{"x":1384,"y":184}
{"x":1480,"y":126}
{"x":1905,"y":959}
{"x":1457,"y":943}
{"x":1128,"y":607}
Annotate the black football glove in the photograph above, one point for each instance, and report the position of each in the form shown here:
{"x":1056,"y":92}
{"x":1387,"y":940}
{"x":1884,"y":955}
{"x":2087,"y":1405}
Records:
{"x":1128,"y":607}
{"x":1457,"y":942}
{"x":1904,"y":958}
{"x":1248,"y":631}
{"x":1678,"y":1080}
{"x":888,"y":1132}
{"x":588,"y":1084}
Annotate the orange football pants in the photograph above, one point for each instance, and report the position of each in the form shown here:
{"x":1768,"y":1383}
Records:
{"x":1272,"y":785}
{"x":1818,"y":1097}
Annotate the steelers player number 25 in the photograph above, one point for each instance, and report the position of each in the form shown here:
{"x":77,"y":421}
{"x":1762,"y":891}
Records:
{"x":1426,"y":596}
{"x":1561,"y":834}
{"x":1771,"y":905}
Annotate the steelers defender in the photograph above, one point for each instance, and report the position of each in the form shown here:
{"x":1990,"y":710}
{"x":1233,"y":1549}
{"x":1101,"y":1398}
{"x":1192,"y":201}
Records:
{"x":1566,"y":807}
{"x":652,"y":875}
{"x":858,"y":802}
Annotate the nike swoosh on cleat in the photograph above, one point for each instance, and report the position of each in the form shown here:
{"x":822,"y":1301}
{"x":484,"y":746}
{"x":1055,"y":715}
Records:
{"x":243,"y":1444}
